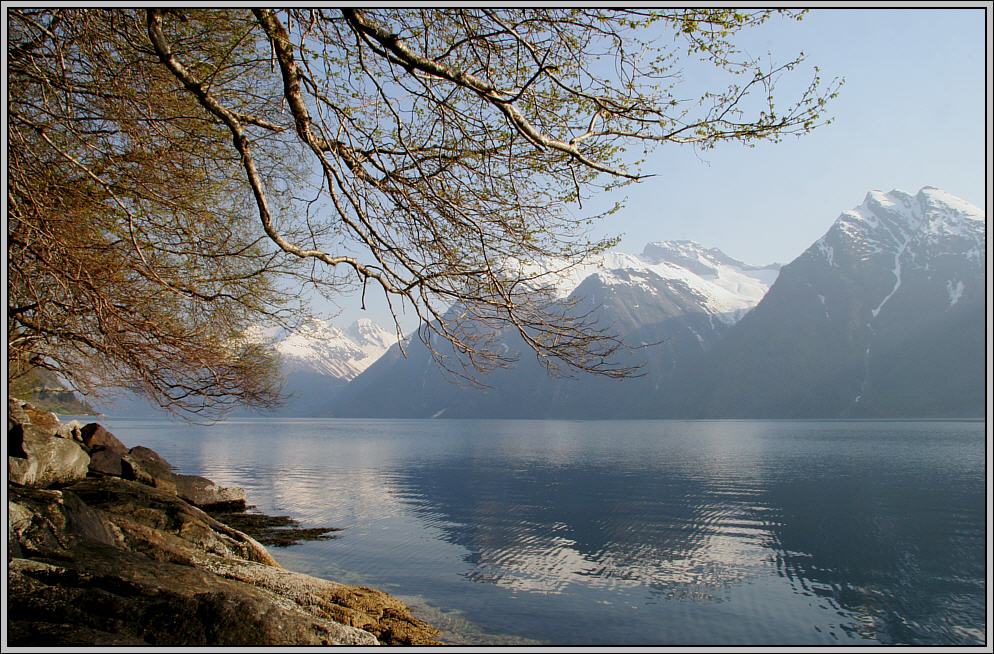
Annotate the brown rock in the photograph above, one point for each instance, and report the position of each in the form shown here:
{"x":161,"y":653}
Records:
{"x":115,"y":562}
{"x":119,"y":596}
{"x":106,"y":462}
{"x":105,"y":449}
{"x":95,"y":437}
{"x":145,"y":466}
{"x":108,"y":561}
{"x":44,"y":419}
{"x":151,"y":462}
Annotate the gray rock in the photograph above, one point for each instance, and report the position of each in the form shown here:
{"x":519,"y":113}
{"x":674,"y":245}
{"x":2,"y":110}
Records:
{"x":15,"y":413}
{"x":152,"y":519}
{"x":203,"y":492}
{"x":55,"y":523}
{"x":71,"y":430}
{"x":48,"y":460}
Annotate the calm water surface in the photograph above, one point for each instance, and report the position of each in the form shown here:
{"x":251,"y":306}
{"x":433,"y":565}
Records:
{"x":627,"y":532}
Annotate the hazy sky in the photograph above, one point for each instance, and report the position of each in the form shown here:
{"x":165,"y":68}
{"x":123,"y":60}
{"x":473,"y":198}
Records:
{"x":911,"y":114}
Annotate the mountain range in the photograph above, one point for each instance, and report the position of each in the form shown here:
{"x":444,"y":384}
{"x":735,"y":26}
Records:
{"x":317,"y":360}
{"x":881,"y":317}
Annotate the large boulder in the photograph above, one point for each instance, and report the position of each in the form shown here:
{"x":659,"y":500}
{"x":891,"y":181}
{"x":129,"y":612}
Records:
{"x":160,"y":524}
{"x":44,"y":419}
{"x":47,"y":461}
{"x":105,"y":449}
{"x":145,"y":466}
{"x":203,"y":492}
{"x":94,"y":437}
{"x":16,"y":414}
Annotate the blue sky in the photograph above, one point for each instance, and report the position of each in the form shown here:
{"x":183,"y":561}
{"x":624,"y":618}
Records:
{"x":911,"y":114}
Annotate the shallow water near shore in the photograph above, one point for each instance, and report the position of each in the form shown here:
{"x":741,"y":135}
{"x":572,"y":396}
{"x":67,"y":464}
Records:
{"x":626,"y":532}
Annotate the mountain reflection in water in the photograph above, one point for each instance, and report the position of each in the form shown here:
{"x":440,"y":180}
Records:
{"x":634,"y":532}
{"x":867,"y":530}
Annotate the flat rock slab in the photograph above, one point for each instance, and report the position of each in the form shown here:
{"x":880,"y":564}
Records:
{"x":119,"y":596}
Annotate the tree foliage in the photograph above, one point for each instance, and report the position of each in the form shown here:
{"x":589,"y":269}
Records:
{"x":177,"y":176}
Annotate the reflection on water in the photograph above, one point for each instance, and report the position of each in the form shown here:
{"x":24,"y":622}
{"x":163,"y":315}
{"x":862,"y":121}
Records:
{"x":619,"y":533}
{"x":540,"y":528}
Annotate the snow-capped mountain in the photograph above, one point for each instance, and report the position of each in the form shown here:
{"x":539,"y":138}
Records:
{"x":712,"y":281}
{"x":932,"y":233}
{"x":318,"y":346}
{"x":715,"y":284}
{"x":317,"y":360}
{"x":676,"y":293}
{"x":883,"y":315}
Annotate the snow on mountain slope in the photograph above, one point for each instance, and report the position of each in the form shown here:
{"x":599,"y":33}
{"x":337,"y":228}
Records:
{"x":891,"y":222}
{"x":319,"y":346}
{"x":933,"y":231}
{"x":721,"y":286}
{"x":707,"y":281}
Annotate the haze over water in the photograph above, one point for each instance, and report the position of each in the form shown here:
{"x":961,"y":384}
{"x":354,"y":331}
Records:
{"x":627,"y":532}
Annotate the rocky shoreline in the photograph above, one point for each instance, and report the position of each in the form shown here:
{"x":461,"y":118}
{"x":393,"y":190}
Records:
{"x":106,"y":545}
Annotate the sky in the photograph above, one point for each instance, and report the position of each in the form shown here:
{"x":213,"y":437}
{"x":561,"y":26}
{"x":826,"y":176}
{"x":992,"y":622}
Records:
{"x":912,"y":112}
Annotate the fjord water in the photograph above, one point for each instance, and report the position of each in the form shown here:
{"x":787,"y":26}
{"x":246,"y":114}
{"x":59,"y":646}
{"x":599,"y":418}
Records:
{"x":627,"y":532}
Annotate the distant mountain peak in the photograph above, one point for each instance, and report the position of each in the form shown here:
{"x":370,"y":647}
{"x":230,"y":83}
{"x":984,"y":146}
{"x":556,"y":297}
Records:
{"x":694,"y":257}
{"x":319,"y":346}
{"x":365,"y":331}
{"x":930,"y":202}
{"x":901,"y":224}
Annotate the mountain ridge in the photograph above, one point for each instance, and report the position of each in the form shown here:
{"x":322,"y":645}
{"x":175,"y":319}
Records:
{"x":880,"y":276}
{"x":882,"y":316}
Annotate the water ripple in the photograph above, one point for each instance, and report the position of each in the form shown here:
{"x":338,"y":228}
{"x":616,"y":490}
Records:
{"x":659,"y":533}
